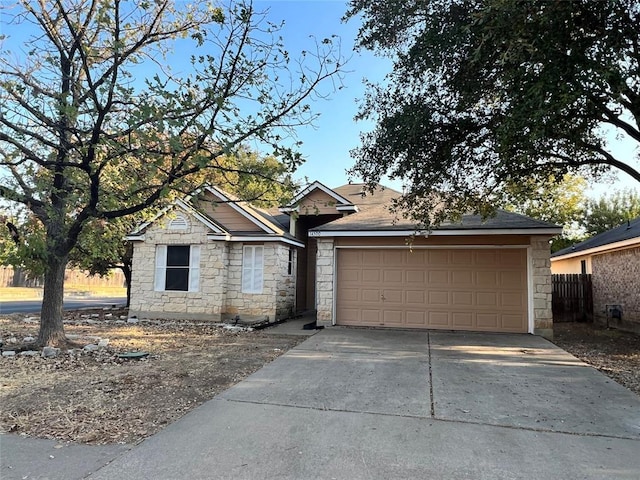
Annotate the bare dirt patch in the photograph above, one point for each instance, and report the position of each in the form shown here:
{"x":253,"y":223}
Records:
{"x":97,"y":397}
{"x":613,"y":352}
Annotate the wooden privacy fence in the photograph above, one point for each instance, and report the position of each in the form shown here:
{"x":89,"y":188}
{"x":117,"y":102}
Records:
{"x":572,"y":298}
{"x":10,"y":277}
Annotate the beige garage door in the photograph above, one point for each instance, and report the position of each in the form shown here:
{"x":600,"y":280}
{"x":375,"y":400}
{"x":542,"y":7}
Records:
{"x":453,"y":289}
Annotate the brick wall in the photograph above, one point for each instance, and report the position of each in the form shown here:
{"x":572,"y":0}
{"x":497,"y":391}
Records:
{"x":616,"y":281}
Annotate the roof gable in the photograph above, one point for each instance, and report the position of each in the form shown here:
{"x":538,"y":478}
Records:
{"x":317,"y":199}
{"x":241,"y":214}
{"x":226,"y":217}
{"x":185,"y":207}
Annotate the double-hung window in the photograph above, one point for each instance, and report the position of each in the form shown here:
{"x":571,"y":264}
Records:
{"x":177,"y":268}
{"x":252,"y":268}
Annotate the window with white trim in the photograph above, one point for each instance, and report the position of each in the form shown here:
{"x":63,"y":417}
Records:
{"x":252,"y":268}
{"x":177,"y":268}
{"x":291,"y":261}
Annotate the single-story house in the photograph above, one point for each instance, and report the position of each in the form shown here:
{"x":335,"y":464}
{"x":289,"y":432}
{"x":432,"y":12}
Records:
{"x":613,"y":260}
{"x":342,"y":253}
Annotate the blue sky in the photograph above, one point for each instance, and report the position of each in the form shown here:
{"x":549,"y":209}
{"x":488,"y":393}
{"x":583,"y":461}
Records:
{"x":326,"y":146}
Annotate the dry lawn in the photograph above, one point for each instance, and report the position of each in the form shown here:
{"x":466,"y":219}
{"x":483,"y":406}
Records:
{"x":613,"y":352}
{"x":99,"y":398}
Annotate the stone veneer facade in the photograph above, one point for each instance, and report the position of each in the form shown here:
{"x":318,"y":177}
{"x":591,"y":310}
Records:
{"x":220,"y":294}
{"x":616,"y":281}
{"x":540,"y":253}
{"x":540,"y":276}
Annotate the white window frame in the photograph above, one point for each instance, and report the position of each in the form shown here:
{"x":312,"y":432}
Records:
{"x":252,"y":268}
{"x":161,"y":268}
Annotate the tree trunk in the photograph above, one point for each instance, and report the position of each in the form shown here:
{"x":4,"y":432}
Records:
{"x":126,"y":269}
{"x":51,"y":326}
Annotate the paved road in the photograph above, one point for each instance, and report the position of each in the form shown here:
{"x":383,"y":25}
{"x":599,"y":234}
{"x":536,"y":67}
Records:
{"x":375,"y":405}
{"x":71,"y":303}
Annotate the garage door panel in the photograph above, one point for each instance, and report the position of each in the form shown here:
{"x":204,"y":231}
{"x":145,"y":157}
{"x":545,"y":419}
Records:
{"x":465,"y":289}
{"x":371,"y":275}
{"x":461,"y":257}
{"x":345,"y":275}
{"x":512,"y":322}
{"x":511,"y":258}
{"x":416,"y":318}
{"x":437,"y":257}
{"x":461,"y":277}
{"x":487,"y":279}
{"x":438,"y":319}
{"x":462,"y":320}
{"x":488,"y":321}
{"x":438,"y":298}
{"x":373,"y":317}
{"x":351,"y":294}
{"x":487,"y":299}
{"x":485,"y":257}
{"x":438,"y":277}
{"x":462,"y":299}
{"x":415,"y":297}
{"x":392,"y":276}
{"x":393,"y":296}
{"x":392,"y":257}
{"x":349,"y":316}
{"x":513,"y":279}
{"x":370,"y":295}
{"x":512,"y":300}
{"x":415,"y":277}
{"x":393,"y":317}
{"x":415,"y":257}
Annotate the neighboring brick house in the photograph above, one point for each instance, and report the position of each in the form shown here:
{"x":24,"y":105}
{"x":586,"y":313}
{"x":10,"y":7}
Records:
{"x":342,"y":253}
{"x":613,"y":260}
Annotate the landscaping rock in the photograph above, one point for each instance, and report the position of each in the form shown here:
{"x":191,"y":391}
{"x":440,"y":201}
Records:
{"x":103,"y":343}
{"x":28,"y":339}
{"x":90,"y":348}
{"x":12,"y":340}
{"x":132,"y":320}
{"x":29,"y":353}
{"x":50,"y":352}
{"x":8,"y":353}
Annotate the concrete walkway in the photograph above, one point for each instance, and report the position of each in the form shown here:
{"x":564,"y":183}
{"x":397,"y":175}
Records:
{"x":374,"y":404}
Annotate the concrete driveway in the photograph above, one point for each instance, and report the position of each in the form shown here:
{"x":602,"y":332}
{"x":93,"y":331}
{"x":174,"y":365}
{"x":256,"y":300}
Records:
{"x":375,"y":404}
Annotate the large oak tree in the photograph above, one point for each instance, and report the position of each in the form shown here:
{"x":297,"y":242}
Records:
{"x":488,"y":94}
{"x":100,"y":120}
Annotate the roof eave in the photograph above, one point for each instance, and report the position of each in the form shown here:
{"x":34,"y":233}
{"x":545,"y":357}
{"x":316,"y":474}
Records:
{"x":426,"y":233}
{"x":630,"y":242}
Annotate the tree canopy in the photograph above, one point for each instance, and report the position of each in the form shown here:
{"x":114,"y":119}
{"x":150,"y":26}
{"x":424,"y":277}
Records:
{"x":99,"y":121}
{"x":485,"y":94}
{"x":610,"y":211}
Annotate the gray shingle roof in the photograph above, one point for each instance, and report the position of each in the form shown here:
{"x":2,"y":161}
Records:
{"x":626,"y":231}
{"x":373,"y":214}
